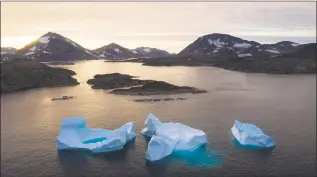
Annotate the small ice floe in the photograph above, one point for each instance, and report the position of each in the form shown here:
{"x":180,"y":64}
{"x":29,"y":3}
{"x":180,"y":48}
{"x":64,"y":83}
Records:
{"x":249,"y":135}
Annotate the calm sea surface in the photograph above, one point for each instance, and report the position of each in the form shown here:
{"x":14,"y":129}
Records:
{"x":284,"y":106}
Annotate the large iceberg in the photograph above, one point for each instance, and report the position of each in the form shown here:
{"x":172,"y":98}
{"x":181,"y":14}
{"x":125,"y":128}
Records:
{"x":75,"y":134}
{"x":249,"y":135}
{"x":169,"y":137}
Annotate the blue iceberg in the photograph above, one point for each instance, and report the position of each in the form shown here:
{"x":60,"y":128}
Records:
{"x":169,"y":137}
{"x":249,"y":135}
{"x":75,"y":134}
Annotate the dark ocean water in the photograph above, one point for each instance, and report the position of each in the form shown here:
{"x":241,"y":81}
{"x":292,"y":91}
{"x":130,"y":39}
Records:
{"x":284,"y":106}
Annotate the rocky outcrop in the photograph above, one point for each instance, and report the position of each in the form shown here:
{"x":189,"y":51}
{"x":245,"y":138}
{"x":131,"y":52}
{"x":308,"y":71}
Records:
{"x":157,"y":88}
{"x":114,"y":80}
{"x":20,"y":74}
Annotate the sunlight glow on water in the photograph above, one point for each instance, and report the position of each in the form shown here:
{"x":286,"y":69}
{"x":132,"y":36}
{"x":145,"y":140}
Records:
{"x":284,"y":106}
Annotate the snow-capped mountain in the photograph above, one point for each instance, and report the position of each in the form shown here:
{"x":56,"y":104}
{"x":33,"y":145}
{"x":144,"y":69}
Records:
{"x":224,"y":45}
{"x":55,"y":47}
{"x":114,"y":51}
{"x":149,"y":52}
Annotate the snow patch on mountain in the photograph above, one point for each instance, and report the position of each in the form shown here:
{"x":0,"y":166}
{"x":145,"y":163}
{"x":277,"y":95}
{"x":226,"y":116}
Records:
{"x":244,"y":55}
{"x":216,"y":42}
{"x":68,"y":40}
{"x":295,"y":44}
{"x":242,"y":45}
{"x":272,"y":51}
{"x":117,"y":50}
{"x":32,"y":49}
{"x":29,"y":53}
{"x":147,"y":50}
{"x":135,"y":52}
{"x":88,"y":52}
{"x":44,"y":39}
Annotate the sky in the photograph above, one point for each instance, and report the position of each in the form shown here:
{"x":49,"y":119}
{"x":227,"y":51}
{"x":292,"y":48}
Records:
{"x":165,"y":25}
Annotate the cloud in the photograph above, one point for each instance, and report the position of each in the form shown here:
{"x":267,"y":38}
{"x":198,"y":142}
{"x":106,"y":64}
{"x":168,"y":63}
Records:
{"x":156,"y":23}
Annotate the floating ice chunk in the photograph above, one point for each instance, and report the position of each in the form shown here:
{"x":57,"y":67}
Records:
{"x":159,"y":147}
{"x":175,"y":136}
{"x":75,"y":134}
{"x":249,"y":135}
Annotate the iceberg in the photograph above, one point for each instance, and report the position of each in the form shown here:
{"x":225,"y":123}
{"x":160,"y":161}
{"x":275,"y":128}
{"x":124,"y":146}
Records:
{"x":75,"y":134}
{"x":169,"y":137}
{"x":249,"y":135}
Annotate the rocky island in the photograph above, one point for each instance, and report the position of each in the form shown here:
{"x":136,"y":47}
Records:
{"x":118,"y":82}
{"x":114,"y":80}
{"x":20,"y":74}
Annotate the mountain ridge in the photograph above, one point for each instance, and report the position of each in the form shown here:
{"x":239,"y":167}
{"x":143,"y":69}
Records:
{"x":55,"y":47}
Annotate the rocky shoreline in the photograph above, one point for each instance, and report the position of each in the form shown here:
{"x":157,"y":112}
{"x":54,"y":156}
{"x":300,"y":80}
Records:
{"x":158,"y":99}
{"x":275,"y":65}
{"x":21,"y":74}
{"x":114,"y":80}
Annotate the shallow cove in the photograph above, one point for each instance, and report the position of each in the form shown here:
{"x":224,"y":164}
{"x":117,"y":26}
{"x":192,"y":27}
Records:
{"x":283,"y":106}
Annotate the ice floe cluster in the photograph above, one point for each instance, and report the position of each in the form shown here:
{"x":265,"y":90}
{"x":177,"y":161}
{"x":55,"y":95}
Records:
{"x":166,"y":138}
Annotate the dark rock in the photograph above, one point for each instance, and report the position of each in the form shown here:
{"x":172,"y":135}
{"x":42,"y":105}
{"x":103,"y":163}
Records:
{"x":59,"y":63}
{"x":167,"y":99}
{"x":62,"y":98}
{"x":114,"y":80}
{"x":20,"y":74}
{"x":157,"y":88}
